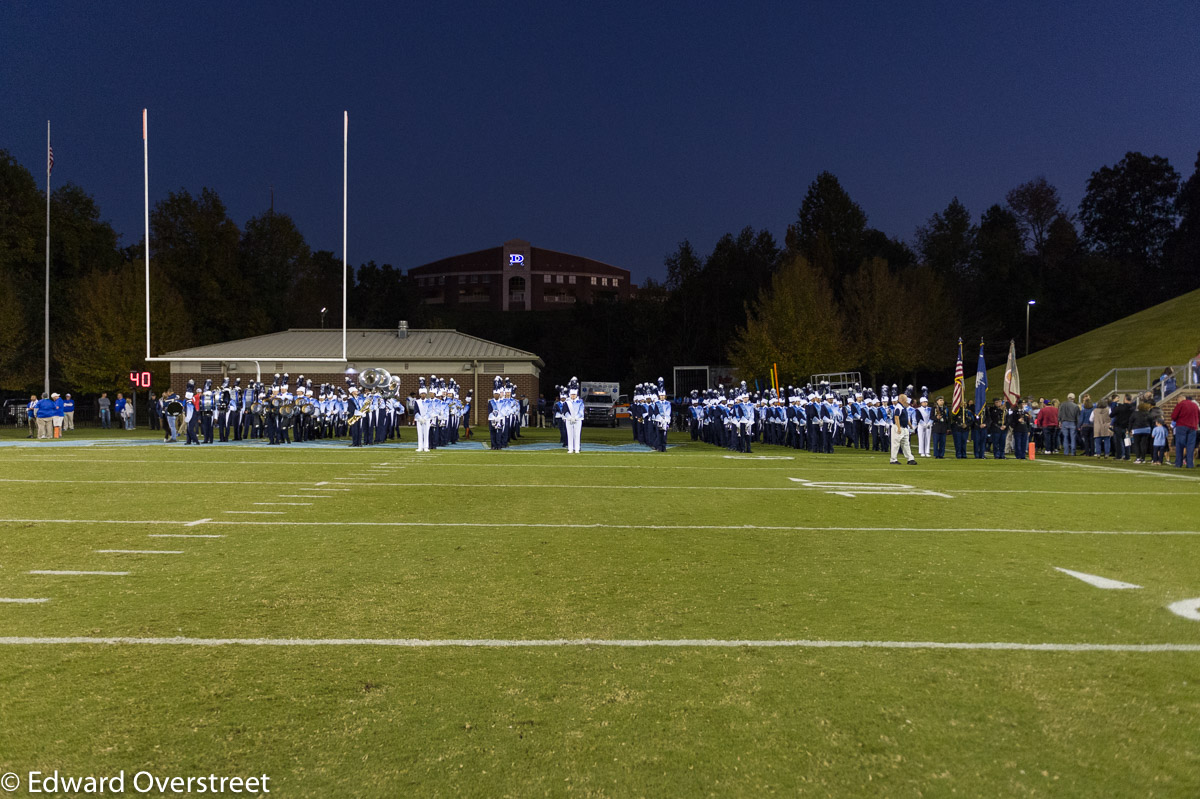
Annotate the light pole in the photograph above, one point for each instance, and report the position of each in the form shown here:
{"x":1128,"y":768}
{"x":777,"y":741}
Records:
{"x":323,"y":324}
{"x":1027,"y":308}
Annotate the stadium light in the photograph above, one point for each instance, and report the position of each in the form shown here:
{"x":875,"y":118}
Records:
{"x":1028,"y":306}
{"x":323,"y":318}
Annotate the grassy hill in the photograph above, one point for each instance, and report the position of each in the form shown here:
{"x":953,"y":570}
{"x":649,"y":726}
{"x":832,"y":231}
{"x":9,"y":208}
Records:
{"x":1168,"y":333}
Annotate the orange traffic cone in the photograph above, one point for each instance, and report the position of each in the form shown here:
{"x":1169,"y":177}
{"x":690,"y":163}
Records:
{"x":57,"y":431}
{"x":1032,"y":451}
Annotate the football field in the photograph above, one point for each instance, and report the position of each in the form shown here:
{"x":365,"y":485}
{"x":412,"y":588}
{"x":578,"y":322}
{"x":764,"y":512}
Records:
{"x":378,"y":622}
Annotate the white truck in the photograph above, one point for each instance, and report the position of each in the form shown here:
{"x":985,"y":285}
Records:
{"x":599,"y":402}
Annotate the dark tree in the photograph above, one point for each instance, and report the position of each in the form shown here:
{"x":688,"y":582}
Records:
{"x":682,"y":265}
{"x":995,"y":299}
{"x":947,"y":242}
{"x":829,"y":228}
{"x":1036,"y":205}
{"x":1128,"y":213}
{"x":1184,"y":245}
{"x":194,"y":244}
{"x":275,"y":260}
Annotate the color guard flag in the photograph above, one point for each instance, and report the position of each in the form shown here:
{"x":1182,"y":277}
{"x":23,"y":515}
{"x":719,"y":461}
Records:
{"x":980,"y":381}
{"x":956,"y":404}
{"x":1012,"y":381}
{"x":49,"y":159}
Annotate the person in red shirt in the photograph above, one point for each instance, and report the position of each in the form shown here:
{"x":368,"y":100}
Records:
{"x":1185,"y":419}
{"x":1047,"y":419}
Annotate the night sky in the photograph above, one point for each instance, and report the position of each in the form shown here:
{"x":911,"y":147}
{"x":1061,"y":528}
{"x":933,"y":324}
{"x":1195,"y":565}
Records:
{"x":609,"y":130}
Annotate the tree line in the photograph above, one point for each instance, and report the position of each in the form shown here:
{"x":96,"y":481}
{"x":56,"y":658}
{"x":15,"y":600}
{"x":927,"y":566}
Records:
{"x":836,"y":295}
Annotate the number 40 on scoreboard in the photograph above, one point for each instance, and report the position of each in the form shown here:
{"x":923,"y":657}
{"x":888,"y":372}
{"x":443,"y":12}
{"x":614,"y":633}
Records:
{"x":140,"y":379}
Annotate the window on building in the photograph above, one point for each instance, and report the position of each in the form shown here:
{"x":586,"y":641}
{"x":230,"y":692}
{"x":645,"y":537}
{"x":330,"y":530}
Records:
{"x":593,"y":281}
{"x":571,"y":280}
{"x":616,"y":281}
{"x":603,"y":281}
{"x":486,"y":278}
{"x":560,"y":278}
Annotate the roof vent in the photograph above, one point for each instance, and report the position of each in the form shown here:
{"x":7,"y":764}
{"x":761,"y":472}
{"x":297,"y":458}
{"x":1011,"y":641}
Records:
{"x":402,"y":329}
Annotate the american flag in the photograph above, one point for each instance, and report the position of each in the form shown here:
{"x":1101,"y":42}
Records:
{"x":957,"y":403}
{"x":49,"y":159}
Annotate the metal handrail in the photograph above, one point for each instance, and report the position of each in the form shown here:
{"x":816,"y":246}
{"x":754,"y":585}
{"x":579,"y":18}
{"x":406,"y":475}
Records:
{"x":1138,"y":378}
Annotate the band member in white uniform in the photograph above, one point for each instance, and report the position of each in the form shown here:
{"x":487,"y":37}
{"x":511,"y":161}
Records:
{"x":573,"y":414}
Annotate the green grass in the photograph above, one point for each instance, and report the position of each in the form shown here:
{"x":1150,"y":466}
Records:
{"x":1161,"y":335}
{"x":674,"y":560}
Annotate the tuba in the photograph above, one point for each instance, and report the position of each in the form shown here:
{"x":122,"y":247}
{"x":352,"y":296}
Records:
{"x":372,"y":379}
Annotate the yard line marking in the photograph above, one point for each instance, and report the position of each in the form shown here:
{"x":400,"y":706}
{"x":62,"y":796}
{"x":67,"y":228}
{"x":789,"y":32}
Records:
{"x":1121,"y":470}
{"x":1099,"y":582}
{"x":323,"y":482}
{"x":257,"y":512}
{"x":281,"y":503}
{"x":183,"y":535}
{"x":567,"y":525}
{"x":362,"y":482}
{"x":615,"y":487}
{"x":159,"y":482}
{"x":322,"y":489}
{"x":860,"y":489}
{"x":198,"y":521}
{"x":759,"y":457}
{"x":1187,"y":608}
{"x":305,"y":496}
{"x":138,"y":551}
{"x":72,"y":572}
{"x":530,"y":643}
{"x":12,"y":601}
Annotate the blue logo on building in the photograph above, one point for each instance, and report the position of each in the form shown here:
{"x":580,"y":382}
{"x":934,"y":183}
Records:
{"x":516,"y":259}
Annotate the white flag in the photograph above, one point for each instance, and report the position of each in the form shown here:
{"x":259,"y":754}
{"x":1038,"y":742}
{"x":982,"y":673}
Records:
{"x":1012,"y":381}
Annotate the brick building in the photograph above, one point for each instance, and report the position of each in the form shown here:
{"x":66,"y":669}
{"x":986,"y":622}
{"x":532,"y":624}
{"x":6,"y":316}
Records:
{"x":519,"y":277}
{"x":471,"y":361}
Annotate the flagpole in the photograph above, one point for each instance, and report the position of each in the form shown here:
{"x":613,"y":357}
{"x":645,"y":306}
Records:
{"x":46,"y":370}
{"x":146,"y":206}
{"x":345,"y":150}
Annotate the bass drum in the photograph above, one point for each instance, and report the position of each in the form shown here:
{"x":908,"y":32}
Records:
{"x":174,"y":408}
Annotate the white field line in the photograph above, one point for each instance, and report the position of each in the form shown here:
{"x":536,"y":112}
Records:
{"x":183,"y":535}
{"x":323,"y":489}
{"x":797,"y":465}
{"x":694,"y":643}
{"x":197,"y":522}
{"x":1187,"y":608}
{"x":138,"y":551}
{"x":1125,"y":470}
{"x":796,"y":488}
{"x":73,"y":573}
{"x":255,"y":512}
{"x":336,"y":486}
{"x":16,"y":601}
{"x":604,"y":526}
{"x":1098,"y":581}
{"x":281,"y":503}
{"x":305,"y":496}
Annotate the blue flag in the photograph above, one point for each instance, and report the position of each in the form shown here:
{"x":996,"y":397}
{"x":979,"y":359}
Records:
{"x":980,"y":382}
